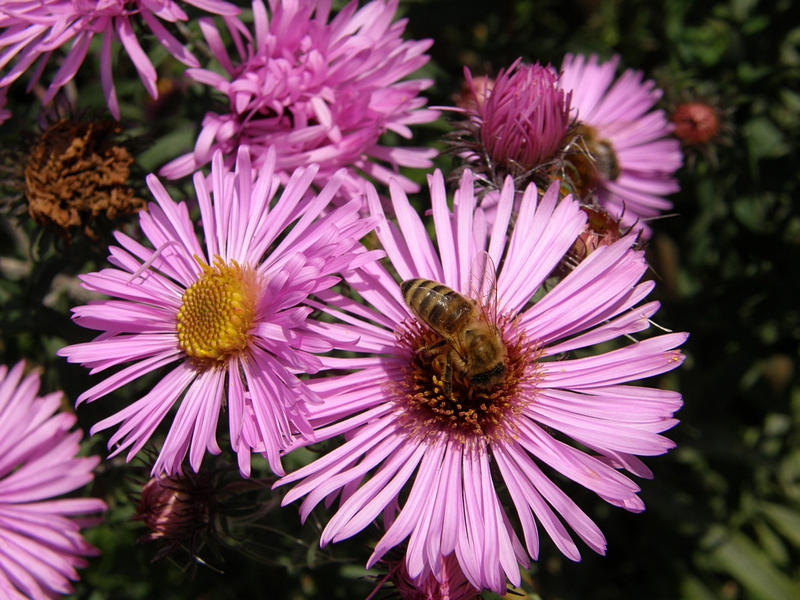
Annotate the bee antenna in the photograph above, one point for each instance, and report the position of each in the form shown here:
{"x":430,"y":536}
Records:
{"x":658,"y":217}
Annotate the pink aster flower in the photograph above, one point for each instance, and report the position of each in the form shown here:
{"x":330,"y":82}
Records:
{"x":633,"y":160}
{"x":33,"y":30}
{"x":425,"y":456}
{"x":228,"y":312}
{"x":40,"y":541}
{"x":515,"y":126}
{"x":319,"y":92}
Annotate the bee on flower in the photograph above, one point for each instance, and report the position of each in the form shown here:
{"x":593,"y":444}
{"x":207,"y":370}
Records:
{"x":439,"y":455}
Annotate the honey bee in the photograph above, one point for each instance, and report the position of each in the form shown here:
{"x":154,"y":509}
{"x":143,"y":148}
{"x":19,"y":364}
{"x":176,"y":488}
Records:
{"x":471,"y":343}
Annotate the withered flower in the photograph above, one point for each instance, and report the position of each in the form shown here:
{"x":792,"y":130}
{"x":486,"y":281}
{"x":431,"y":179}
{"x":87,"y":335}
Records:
{"x":701,"y":113}
{"x":601,"y":229}
{"x":77,"y":172}
{"x":703,"y":124}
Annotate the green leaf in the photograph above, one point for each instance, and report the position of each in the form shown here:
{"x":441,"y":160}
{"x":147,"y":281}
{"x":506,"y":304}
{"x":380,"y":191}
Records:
{"x":764,"y":139}
{"x":785,"y":520}
{"x":789,"y":54}
{"x":735,"y":554}
{"x":694,"y":589}
{"x":167,"y":147}
{"x":707,"y":43}
{"x":771,"y":543}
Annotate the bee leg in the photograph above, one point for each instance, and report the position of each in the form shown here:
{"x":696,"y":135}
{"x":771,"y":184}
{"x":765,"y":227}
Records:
{"x":441,"y":366}
{"x":448,"y":376}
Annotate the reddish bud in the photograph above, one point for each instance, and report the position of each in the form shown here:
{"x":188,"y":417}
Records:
{"x":696,"y":123}
{"x":178,"y":509}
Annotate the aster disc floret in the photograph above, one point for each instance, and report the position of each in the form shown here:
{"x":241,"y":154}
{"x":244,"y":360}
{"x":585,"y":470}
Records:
{"x":428,"y":460}
{"x":229,"y":313}
{"x":619,"y":149}
{"x":516,"y":125}
{"x":40,"y":542}
{"x":321,"y":92}
{"x":33,"y":31}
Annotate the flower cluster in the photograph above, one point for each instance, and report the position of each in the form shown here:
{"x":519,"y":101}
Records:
{"x":596,"y":136}
{"x":320,"y":93}
{"x":33,"y":31}
{"x":454,"y":362}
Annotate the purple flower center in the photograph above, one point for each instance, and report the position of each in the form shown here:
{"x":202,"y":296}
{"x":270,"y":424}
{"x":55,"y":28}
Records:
{"x":462,"y":406}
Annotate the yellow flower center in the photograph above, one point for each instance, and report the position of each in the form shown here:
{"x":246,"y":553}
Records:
{"x":217,"y":312}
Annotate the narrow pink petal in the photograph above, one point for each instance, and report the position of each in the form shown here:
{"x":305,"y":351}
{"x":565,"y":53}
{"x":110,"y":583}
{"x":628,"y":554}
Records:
{"x":173,"y":46}
{"x":143,"y":65}
{"x":70,"y":66}
{"x":418,"y":242}
{"x":106,"y":72}
{"x":371,"y":498}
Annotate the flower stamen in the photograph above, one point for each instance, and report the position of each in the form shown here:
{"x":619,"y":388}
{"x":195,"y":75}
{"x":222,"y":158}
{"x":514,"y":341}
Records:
{"x":217,"y":312}
{"x":467,"y":410}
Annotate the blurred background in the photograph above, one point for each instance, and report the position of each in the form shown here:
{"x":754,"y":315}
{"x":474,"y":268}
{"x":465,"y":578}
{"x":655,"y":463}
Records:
{"x":723,"y":511}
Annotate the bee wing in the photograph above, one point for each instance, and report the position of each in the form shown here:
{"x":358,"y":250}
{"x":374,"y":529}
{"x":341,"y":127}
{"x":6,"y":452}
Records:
{"x":483,"y":285}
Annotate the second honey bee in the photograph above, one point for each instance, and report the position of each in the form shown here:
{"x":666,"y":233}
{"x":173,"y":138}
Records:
{"x":471,"y":343}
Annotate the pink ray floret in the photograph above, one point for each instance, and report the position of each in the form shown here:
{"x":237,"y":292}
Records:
{"x":620,"y":113}
{"x":40,"y":538}
{"x":277,"y":249}
{"x":435,"y":485}
{"x":32,"y":31}
{"x":318,"y":91}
